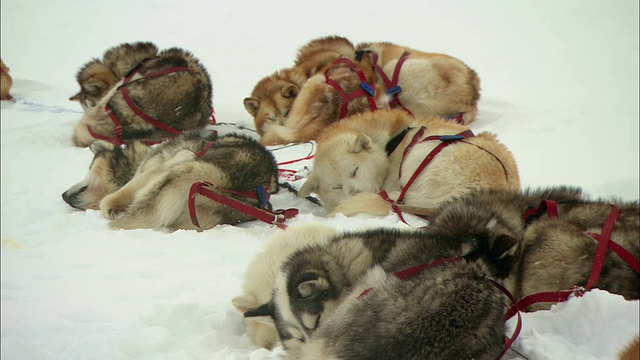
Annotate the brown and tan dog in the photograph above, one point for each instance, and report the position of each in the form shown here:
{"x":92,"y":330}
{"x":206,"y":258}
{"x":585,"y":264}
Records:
{"x":167,"y":94}
{"x":98,"y":76}
{"x":7,"y":82}
{"x":272,"y":97}
{"x":370,"y":152}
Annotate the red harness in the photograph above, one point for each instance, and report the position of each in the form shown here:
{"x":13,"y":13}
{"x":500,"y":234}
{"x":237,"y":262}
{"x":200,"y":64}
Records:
{"x":604,"y":243}
{"x":415,"y":270}
{"x":116,"y":139}
{"x":214,"y":193}
{"x":366,"y":89}
{"x":445,"y":140}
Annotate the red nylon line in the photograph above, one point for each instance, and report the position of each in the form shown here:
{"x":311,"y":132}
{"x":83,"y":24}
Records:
{"x":166,"y":71}
{"x":603,"y":243}
{"x":414,"y":140}
{"x":415,"y":270}
{"x":117,"y":138}
{"x":145,"y":117}
{"x":626,"y":256}
{"x":297,"y":160}
{"x":516,"y":331}
{"x":504,"y":168}
{"x":378,"y":69}
{"x":547,"y":296}
{"x":394,"y":206}
{"x":396,"y":71}
{"x":206,"y":147}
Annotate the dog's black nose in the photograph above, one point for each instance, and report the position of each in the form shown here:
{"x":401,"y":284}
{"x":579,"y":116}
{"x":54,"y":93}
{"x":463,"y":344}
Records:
{"x":65,"y":197}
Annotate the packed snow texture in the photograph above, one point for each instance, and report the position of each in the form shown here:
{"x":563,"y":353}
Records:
{"x":559,"y":87}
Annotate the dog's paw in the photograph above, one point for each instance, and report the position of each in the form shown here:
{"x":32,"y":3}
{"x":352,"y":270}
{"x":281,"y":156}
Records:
{"x":115,"y":212}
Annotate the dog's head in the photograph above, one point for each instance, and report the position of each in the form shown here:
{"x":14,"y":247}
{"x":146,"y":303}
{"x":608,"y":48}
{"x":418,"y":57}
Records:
{"x":95,"y":80}
{"x":111,"y":168}
{"x":271,"y":100}
{"x":344,"y":165}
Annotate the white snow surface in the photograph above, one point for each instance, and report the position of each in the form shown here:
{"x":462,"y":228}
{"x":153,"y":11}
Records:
{"x":559,"y":87}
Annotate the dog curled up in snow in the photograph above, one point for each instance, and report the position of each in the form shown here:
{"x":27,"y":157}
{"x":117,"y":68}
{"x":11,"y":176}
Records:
{"x":386,"y":294}
{"x":260,"y":276}
{"x":158,"y":195}
{"x":111,"y":168}
{"x":6,"y":82}
{"x":554,"y":251}
{"x":418,"y":162}
{"x":98,"y":76}
{"x":427,"y":83}
{"x":273,"y":96}
{"x":164,"y":96}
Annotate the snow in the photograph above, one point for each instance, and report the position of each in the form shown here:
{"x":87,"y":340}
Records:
{"x":559,"y":87}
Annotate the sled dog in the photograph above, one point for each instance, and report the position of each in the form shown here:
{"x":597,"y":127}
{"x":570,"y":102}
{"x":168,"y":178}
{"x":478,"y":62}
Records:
{"x":164,"y":96}
{"x":631,"y":351}
{"x":370,"y":152}
{"x":553,"y":253}
{"x":261,"y":274}
{"x":111,"y":168}
{"x":157,"y":197}
{"x":353,"y":278}
{"x":98,"y":76}
{"x":273,"y":96}
{"x":430,"y":83}
{"x":7,"y":82}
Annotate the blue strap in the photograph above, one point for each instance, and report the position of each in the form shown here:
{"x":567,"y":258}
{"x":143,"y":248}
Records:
{"x":262,"y":196}
{"x":394,"y":90}
{"x":368,"y":88}
{"x":451,"y":137}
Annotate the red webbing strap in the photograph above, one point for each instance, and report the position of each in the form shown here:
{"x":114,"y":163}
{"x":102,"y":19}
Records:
{"x":625,"y":255}
{"x":127,"y":98}
{"x":116,"y":139}
{"x":603,"y":243}
{"x":457,"y":118}
{"x":393,"y":89}
{"x":508,"y":341}
{"x":205,"y":148}
{"x":277,"y":217}
{"x":445,"y":140}
{"x":394,"y":205}
{"x":547,"y":296}
{"x":365,"y":88}
{"x":549,"y":207}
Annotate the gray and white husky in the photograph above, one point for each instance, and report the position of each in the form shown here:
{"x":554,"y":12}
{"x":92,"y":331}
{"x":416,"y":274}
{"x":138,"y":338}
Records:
{"x":323,"y":309}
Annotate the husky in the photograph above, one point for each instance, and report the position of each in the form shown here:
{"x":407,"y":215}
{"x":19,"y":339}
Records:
{"x":557,"y":253}
{"x":98,"y":76}
{"x":631,"y":351}
{"x":7,"y":82}
{"x":164,"y":96}
{"x":111,"y":168}
{"x":157,"y":197}
{"x":430,"y":83}
{"x":320,"y":284}
{"x":370,"y":152}
{"x":546,"y":253}
{"x":261,"y":275}
{"x":273,"y":96}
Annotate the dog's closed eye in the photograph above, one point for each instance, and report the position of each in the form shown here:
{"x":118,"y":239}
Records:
{"x":338,"y":187}
{"x":354,"y":173}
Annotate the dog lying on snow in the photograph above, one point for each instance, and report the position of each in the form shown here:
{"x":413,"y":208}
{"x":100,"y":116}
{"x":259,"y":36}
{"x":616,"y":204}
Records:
{"x":427,"y":84}
{"x":272,"y":97}
{"x":350,"y":298}
{"x":98,"y":76}
{"x":138,"y":187}
{"x":370,"y":152}
{"x":261,"y":274}
{"x":6,"y":82}
{"x":553,"y":253}
{"x":164,"y":96}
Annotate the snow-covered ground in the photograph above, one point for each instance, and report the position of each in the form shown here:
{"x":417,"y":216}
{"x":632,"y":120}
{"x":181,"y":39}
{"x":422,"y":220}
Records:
{"x":559,"y":87}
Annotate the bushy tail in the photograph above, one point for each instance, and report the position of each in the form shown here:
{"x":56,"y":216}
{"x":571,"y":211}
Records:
{"x":367,"y":203}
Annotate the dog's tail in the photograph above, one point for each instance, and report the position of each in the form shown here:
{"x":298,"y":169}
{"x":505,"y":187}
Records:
{"x":367,"y":203}
{"x":278,"y":135}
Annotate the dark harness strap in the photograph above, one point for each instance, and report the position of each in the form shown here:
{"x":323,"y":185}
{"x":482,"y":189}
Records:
{"x":366,"y":89}
{"x":604,"y":243}
{"x":117,"y":138}
{"x":393,"y":89}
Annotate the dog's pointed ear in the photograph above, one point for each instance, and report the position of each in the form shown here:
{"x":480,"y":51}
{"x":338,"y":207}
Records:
{"x":75,"y":97}
{"x":101,"y":145}
{"x":244,"y":303}
{"x":290,"y":91}
{"x":94,"y":86}
{"x":252,"y":105}
{"x":309,"y":186}
{"x":311,"y":284}
{"x":262,"y":310}
{"x":362,"y":142}
{"x":501,"y":245}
